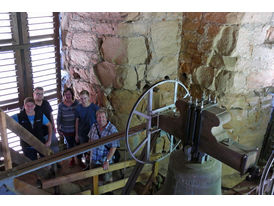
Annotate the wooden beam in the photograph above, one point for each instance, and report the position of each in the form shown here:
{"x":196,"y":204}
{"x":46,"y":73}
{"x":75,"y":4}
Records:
{"x":24,"y":188}
{"x":4,"y":138}
{"x":85,"y":174}
{"x":111,"y":186}
{"x":27,"y":136}
{"x":57,"y":54}
{"x":148,"y":184}
{"x":95,"y":182}
{"x":19,"y":159}
{"x":66,"y":154}
{"x":138,"y":167}
{"x":25,"y":46}
{"x":89,"y":173}
{"x":15,"y":156}
{"x":156,"y":169}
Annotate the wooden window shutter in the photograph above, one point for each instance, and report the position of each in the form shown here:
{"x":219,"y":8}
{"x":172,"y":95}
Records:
{"x":29,"y":57}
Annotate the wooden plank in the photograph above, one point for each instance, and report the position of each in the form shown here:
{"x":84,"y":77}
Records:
{"x":138,"y":167}
{"x":95,"y":184}
{"x":57,"y":54}
{"x":86,"y":192}
{"x":85,"y":174}
{"x":20,"y":78}
{"x":66,"y":154}
{"x":148,"y":184}
{"x":89,"y":173}
{"x":26,"y":46}
{"x":4,"y":138}
{"x":156,"y":169}
{"x":111,"y":186}
{"x":27,"y":136}
{"x":19,"y":159}
{"x":24,"y":188}
{"x":15,"y":156}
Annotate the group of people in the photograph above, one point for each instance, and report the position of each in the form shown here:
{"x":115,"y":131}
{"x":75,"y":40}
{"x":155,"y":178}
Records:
{"x":77,"y":121}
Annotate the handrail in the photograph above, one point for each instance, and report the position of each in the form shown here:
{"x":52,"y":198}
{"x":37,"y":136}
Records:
{"x":66,"y":154}
{"x":90,"y":173}
{"x":26,"y":135}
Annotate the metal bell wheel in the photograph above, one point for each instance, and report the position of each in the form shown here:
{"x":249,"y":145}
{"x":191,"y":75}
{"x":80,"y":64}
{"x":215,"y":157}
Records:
{"x":147,"y":117}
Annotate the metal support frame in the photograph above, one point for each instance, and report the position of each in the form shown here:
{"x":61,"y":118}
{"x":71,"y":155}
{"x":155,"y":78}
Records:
{"x":149,"y":116}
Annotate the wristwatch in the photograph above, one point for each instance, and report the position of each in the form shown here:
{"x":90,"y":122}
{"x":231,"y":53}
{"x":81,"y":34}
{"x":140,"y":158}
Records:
{"x":107,"y":160}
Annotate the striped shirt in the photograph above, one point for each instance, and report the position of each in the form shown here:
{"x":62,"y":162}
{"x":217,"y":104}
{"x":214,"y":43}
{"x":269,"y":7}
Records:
{"x":99,"y":154}
{"x":66,"y":117}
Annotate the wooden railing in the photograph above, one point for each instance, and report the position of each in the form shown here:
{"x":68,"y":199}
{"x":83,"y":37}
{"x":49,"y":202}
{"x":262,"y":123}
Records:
{"x":94,"y":173}
{"x":7,"y":122}
{"x":11,"y":174}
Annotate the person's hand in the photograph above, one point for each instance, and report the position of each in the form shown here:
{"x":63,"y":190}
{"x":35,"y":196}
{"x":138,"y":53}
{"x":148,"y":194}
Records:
{"x":77,"y":138}
{"x":48,"y":143}
{"x":60,"y":133}
{"x":106,"y":165}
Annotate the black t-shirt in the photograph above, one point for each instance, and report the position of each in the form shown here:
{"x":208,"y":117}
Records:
{"x":46,"y":109}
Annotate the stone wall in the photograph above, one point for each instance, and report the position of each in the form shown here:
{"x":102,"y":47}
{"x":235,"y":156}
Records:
{"x":114,"y":55}
{"x":230,"y":56}
{"x":227,"y":55}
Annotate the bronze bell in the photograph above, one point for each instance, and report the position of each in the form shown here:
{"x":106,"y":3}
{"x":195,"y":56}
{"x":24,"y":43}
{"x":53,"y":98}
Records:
{"x":189,"y":178}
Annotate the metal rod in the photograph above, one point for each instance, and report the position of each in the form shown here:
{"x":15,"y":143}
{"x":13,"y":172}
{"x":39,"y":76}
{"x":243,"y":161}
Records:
{"x":175,"y":91}
{"x":139,"y":146}
{"x":171,"y":106}
{"x":197,"y":131}
{"x":192,"y":124}
{"x":149,"y":111}
{"x":188,"y":121}
{"x":141,"y":114}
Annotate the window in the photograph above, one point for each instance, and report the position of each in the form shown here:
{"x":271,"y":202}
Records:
{"x":29,"y":57}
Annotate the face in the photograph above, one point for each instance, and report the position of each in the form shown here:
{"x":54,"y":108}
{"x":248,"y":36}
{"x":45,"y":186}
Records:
{"x":29,"y":107}
{"x":101,"y":119}
{"x":68,"y":96}
{"x":38,"y":95}
{"x":84,"y":99}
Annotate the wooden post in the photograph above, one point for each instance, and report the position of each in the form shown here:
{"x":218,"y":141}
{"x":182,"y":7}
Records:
{"x":5,"y":144}
{"x":95,"y":185}
{"x":155,"y":170}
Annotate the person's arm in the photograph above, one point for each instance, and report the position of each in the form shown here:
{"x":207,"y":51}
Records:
{"x":113,"y":146}
{"x":76,"y":130}
{"x":109,"y":156}
{"x":52,"y":120}
{"x":49,"y":110}
{"x":59,"y":120}
{"x":47,"y":123}
{"x":15,"y":117}
{"x":48,"y":143}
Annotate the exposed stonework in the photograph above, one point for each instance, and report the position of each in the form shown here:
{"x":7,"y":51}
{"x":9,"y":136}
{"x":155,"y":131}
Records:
{"x":106,"y":73}
{"x":124,"y":50}
{"x":230,"y":55}
{"x":136,"y":51}
{"x":165,"y":37}
{"x":114,"y":50}
{"x":166,"y":67}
